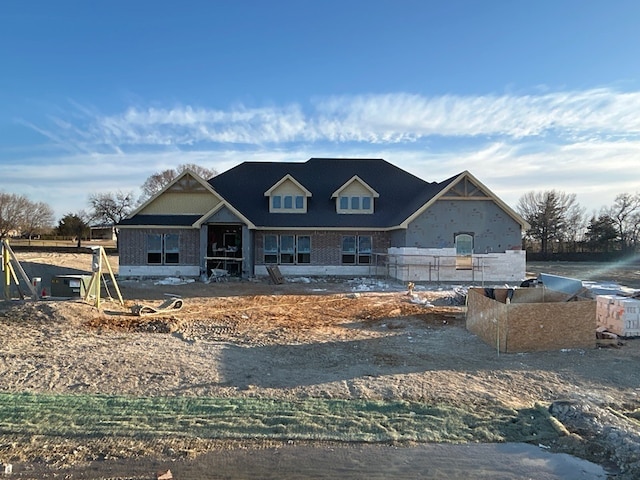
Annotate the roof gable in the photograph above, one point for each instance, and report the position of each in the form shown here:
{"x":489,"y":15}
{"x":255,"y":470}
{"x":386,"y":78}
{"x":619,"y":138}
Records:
{"x":202,"y":197}
{"x":466,"y":187}
{"x":187,"y":200}
{"x":288,"y":179}
{"x":350,"y":182}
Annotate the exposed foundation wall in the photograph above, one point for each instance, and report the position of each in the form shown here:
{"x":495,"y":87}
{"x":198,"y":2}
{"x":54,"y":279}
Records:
{"x":439,"y":265}
{"x":159,"y":270}
{"x":318,"y":270}
{"x":520,"y":326}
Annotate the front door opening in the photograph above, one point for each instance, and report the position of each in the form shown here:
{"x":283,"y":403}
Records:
{"x":224,"y":248}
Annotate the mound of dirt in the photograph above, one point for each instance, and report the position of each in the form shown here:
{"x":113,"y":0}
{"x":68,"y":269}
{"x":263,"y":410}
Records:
{"x":297,"y":340}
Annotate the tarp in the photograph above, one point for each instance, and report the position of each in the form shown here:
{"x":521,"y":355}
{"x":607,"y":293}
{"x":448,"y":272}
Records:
{"x":567,"y":285}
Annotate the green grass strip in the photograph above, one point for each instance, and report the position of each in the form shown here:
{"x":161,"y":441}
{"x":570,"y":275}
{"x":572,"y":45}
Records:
{"x":264,"y":418}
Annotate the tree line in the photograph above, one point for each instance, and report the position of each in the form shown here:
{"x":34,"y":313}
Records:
{"x":20,"y":217}
{"x":558,"y":224}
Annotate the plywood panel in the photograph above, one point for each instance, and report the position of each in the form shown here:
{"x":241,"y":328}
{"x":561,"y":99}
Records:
{"x":525,"y":327}
{"x":551,"y":326}
{"x":486,"y":318}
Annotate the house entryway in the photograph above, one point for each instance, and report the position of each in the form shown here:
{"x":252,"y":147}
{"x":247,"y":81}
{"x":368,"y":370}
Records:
{"x":224,"y":248}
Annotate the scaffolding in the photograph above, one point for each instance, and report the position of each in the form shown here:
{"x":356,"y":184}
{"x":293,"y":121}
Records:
{"x":429,"y":268}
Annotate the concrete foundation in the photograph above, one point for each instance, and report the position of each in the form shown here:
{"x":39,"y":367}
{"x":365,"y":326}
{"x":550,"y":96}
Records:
{"x":442,"y":265}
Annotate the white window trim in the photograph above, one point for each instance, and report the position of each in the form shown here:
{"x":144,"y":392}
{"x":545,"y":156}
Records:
{"x":278,"y":253}
{"x":354,"y":210}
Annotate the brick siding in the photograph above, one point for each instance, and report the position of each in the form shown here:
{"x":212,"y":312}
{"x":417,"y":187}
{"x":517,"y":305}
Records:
{"x":326,"y":246}
{"x":132,"y":245}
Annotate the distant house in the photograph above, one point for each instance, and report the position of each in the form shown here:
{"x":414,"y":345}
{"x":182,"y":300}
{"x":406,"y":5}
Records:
{"x":103,"y":232}
{"x":325,"y":216}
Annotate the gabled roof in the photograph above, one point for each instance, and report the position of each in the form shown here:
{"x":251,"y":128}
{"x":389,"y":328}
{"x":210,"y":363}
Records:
{"x":188,"y":176}
{"x":465,"y":185}
{"x":400,"y":193}
{"x":189,"y":179}
{"x":400,"y":196}
{"x":288,"y":177}
{"x":142,"y":220}
{"x":356,"y":179}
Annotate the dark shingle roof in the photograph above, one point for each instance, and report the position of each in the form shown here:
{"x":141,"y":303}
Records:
{"x":168,"y":220}
{"x":401,"y":193}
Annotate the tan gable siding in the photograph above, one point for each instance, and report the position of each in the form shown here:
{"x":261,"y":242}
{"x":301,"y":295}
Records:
{"x":176,"y":203}
{"x":355,"y":188}
{"x":288,"y":188}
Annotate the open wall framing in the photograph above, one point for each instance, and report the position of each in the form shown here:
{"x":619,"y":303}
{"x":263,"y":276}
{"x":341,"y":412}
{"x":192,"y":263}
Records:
{"x":532,"y":319}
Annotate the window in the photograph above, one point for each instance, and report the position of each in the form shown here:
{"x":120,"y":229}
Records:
{"x":154,"y":249}
{"x":287,"y":249}
{"x":356,"y":250}
{"x":171,"y":248}
{"x":349,"y":250}
{"x":270,"y":249}
{"x":356,"y":204}
{"x":464,"y":251}
{"x":304,"y":249}
{"x":364,"y":250}
{"x":288,"y":203}
{"x":163,"y":249}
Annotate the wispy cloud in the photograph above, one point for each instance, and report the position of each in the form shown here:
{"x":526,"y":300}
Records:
{"x":582,"y":142}
{"x":380,"y":119}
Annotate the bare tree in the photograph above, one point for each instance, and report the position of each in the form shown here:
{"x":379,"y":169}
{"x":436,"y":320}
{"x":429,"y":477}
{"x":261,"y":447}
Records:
{"x":13,"y":211}
{"x":576,"y":225}
{"x":547,"y":213}
{"x":159,"y":180}
{"x":111,"y":207}
{"x":625,"y":213}
{"x":39,"y":218}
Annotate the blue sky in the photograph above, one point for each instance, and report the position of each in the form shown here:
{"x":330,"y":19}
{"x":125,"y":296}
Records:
{"x":97,"y":96}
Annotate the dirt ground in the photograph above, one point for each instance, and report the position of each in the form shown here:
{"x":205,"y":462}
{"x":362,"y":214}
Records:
{"x":301,"y":339}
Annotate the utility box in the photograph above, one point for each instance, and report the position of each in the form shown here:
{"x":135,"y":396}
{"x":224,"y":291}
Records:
{"x":69,"y":285}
